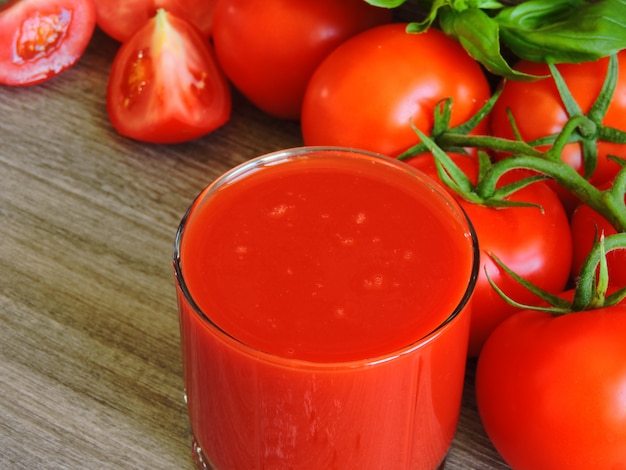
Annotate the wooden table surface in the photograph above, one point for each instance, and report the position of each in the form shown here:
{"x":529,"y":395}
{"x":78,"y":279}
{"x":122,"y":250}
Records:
{"x":90,"y":367}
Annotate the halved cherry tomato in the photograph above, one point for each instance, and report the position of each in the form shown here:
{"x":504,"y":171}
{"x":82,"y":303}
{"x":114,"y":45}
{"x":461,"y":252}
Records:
{"x":41,"y":38}
{"x":165,"y":84}
{"x":269,"y":49}
{"x":121,"y":18}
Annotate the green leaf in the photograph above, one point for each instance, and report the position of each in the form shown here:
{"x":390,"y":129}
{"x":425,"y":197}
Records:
{"x":478,"y":33}
{"x":419,"y":27}
{"x":559,"y":31}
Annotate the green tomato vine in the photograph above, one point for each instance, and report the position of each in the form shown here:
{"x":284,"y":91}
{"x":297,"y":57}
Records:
{"x":556,"y":31}
{"x":584,"y":128}
{"x":592,"y":288}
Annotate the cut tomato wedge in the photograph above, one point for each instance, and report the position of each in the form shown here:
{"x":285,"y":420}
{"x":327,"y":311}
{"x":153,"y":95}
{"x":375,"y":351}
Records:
{"x":165,"y":85}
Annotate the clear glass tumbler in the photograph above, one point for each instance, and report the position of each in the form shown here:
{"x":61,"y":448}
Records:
{"x":323,"y":301}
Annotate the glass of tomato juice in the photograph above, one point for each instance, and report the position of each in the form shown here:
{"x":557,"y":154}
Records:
{"x":323,"y":304}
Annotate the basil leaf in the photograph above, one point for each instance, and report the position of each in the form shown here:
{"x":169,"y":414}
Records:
{"x":569,"y":31}
{"x":419,"y":27}
{"x":478,"y":33}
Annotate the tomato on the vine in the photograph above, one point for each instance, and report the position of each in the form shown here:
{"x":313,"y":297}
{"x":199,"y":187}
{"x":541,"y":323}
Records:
{"x":40,"y":39}
{"x":551,"y":390}
{"x":270,"y":49}
{"x":538,"y":109}
{"x":370,"y":90}
{"x":165,"y":84}
{"x":534,"y":240}
{"x":121,"y":18}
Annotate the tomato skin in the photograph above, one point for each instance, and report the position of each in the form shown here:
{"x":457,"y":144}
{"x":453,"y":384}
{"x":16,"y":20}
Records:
{"x":550,"y":390}
{"x":121,"y":18}
{"x":165,"y":85}
{"x":270,"y":49}
{"x":39,"y":39}
{"x":366,"y":92}
{"x":539,"y":111}
{"x":587,"y":225}
{"x":534,"y":244}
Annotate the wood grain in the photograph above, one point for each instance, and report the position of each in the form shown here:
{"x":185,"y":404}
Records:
{"x":90,"y":371}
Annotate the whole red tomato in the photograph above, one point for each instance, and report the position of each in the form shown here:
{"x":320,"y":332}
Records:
{"x":535,"y":242}
{"x":121,"y":18}
{"x":40,"y":38}
{"x":165,"y":85}
{"x":551,"y":390}
{"x":539,"y":111}
{"x":370,"y":89}
{"x":587,"y":225}
{"x":270,"y":48}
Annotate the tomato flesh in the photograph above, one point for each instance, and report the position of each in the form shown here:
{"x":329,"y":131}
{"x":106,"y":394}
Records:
{"x":165,"y":85}
{"x":39,"y":40}
{"x":41,"y":34}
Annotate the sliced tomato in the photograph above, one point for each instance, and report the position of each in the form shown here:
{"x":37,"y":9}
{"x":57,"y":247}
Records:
{"x":121,"y":18}
{"x":165,"y":84}
{"x":41,"y":38}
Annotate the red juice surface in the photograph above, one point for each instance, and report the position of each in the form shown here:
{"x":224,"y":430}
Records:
{"x":324,"y":273}
{"x":326,"y":261}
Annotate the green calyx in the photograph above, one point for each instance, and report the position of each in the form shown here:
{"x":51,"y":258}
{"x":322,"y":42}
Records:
{"x":584,"y":128}
{"x":592,"y":286}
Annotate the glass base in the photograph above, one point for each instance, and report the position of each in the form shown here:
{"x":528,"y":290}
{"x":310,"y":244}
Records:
{"x":202,"y":463}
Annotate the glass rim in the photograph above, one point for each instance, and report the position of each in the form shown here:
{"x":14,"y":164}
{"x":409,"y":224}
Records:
{"x":275,"y":157}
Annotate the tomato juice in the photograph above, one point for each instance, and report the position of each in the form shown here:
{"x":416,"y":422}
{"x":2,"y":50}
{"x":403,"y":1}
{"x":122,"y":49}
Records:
{"x":322,"y":297}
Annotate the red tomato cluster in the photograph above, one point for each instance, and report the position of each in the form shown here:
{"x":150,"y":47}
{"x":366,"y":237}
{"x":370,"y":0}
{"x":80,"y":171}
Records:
{"x":551,"y":390}
{"x":538,"y":111}
{"x":270,"y":49}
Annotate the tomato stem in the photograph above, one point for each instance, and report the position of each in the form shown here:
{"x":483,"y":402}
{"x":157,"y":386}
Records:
{"x":585,"y":129}
{"x":591,"y":292}
{"x":591,"y":287}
